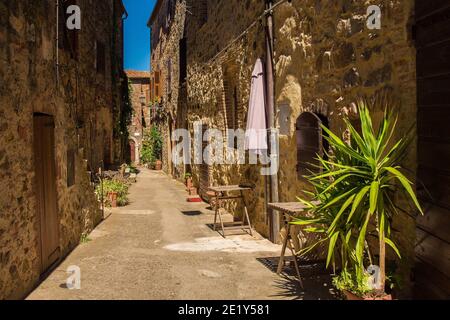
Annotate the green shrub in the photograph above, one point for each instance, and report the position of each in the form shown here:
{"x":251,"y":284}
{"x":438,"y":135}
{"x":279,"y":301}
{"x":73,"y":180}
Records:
{"x":152,"y":146}
{"x":355,"y":195}
{"x":113,"y":186}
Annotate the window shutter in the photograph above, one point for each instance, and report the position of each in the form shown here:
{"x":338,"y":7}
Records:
{"x":157,"y":85}
{"x":68,"y":39}
{"x":183,"y":60}
{"x":169,"y":76}
{"x":151,"y":89}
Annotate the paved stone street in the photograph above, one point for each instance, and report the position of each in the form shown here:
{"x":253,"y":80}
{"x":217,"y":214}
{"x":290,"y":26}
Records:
{"x":161,"y":247}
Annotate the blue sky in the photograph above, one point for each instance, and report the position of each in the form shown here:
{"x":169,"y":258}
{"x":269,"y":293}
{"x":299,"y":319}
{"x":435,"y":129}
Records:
{"x":137,"y":34}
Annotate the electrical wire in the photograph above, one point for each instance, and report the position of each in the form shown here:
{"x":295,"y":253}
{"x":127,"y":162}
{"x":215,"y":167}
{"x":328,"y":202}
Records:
{"x":252,"y":25}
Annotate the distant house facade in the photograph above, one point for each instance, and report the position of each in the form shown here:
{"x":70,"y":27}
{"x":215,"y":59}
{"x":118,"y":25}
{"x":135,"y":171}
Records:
{"x":139,"y":82}
{"x":59,"y":103}
{"x":325,"y":58}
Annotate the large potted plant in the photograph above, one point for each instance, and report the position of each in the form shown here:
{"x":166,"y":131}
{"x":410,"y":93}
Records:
{"x":188,"y":180}
{"x":151,"y":153}
{"x":355,"y":193}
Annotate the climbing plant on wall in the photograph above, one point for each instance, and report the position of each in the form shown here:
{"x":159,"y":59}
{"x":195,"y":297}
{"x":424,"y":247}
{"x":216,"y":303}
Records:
{"x":124,"y":120}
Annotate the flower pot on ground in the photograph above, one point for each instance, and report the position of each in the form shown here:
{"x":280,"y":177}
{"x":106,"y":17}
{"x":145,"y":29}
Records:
{"x":112,"y":196}
{"x":158,"y":165}
{"x":189,"y":183}
{"x":188,"y":180}
{"x":354,"y":199}
{"x":152,"y":148}
{"x":353,"y":297}
{"x":115,"y":192}
{"x":193,"y":191}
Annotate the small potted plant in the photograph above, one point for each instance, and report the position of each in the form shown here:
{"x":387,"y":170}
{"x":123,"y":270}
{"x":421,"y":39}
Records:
{"x":112,"y":197}
{"x":158,"y":165}
{"x":188,"y":180}
{"x":353,"y":203}
{"x":113,"y":192}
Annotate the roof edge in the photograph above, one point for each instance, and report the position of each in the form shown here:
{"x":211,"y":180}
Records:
{"x":154,"y":13}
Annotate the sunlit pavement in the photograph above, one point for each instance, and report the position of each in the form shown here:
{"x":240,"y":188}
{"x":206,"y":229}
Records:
{"x":161,"y":247}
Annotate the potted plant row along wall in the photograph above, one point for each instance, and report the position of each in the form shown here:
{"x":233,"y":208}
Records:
{"x":353,"y":201}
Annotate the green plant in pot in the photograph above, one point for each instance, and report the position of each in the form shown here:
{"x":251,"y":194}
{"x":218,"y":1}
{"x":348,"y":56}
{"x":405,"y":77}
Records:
{"x":152,"y":148}
{"x":353,"y":202}
{"x":115,"y":193}
{"x":188,"y":179}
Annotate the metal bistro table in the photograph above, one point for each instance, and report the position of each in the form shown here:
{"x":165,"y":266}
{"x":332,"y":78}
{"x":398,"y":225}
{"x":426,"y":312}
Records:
{"x":223,"y":194}
{"x":289,"y":211}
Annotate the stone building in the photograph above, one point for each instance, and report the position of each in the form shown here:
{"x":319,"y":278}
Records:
{"x":169,"y":67}
{"x":326,"y":56}
{"x":61,"y":110}
{"x":140,"y":88}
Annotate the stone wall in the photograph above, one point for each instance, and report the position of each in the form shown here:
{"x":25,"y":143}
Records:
{"x":140,"y":85}
{"x":82,"y":107}
{"x":325,"y":59}
{"x":207,"y":66}
{"x":165,"y":51}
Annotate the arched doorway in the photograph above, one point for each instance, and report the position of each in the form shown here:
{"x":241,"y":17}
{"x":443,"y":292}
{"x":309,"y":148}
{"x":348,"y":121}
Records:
{"x":310,"y":142}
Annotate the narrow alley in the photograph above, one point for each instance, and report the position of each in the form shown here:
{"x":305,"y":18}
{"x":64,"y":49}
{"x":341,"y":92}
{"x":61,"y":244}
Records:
{"x":187,"y":150}
{"x":161,"y":247}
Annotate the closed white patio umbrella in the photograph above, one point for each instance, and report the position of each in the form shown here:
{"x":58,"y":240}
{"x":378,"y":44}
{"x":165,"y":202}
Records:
{"x":256,"y":134}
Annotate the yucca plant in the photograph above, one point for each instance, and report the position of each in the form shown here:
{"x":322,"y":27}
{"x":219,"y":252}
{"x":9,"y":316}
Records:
{"x":355,"y":190}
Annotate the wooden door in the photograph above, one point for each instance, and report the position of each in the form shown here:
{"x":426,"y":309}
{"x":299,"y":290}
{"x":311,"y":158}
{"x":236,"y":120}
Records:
{"x":432,"y":272}
{"x":47,"y":211}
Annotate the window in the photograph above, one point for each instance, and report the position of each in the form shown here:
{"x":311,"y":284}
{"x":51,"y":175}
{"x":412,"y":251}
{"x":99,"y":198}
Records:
{"x":169,"y":76}
{"x":232,"y":107}
{"x":183,"y":60}
{"x":70,"y":168}
{"x":152,"y":89}
{"x":231,"y":98}
{"x":67,"y":39}
{"x":310,"y":143}
{"x":100,"y":57}
{"x":157,"y":85}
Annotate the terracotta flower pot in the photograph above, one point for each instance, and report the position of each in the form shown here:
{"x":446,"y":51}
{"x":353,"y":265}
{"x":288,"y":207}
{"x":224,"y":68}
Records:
{"x":189,"y":183}
{"x":353,"y":297}
{"x":193,"y":191}
{"x":158,"y":165}
{"x":112,"y":196}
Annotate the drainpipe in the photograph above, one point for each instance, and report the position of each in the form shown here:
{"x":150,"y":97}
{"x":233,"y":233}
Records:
{"x":270,"y":95}
{"x":57,"y":45}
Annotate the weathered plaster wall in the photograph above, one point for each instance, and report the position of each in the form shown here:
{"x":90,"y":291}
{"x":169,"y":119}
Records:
{"x":82,"y":108}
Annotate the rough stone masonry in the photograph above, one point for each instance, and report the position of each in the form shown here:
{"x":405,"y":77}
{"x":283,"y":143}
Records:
{"x":325,"y":59}
{"x":82,"y":107}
